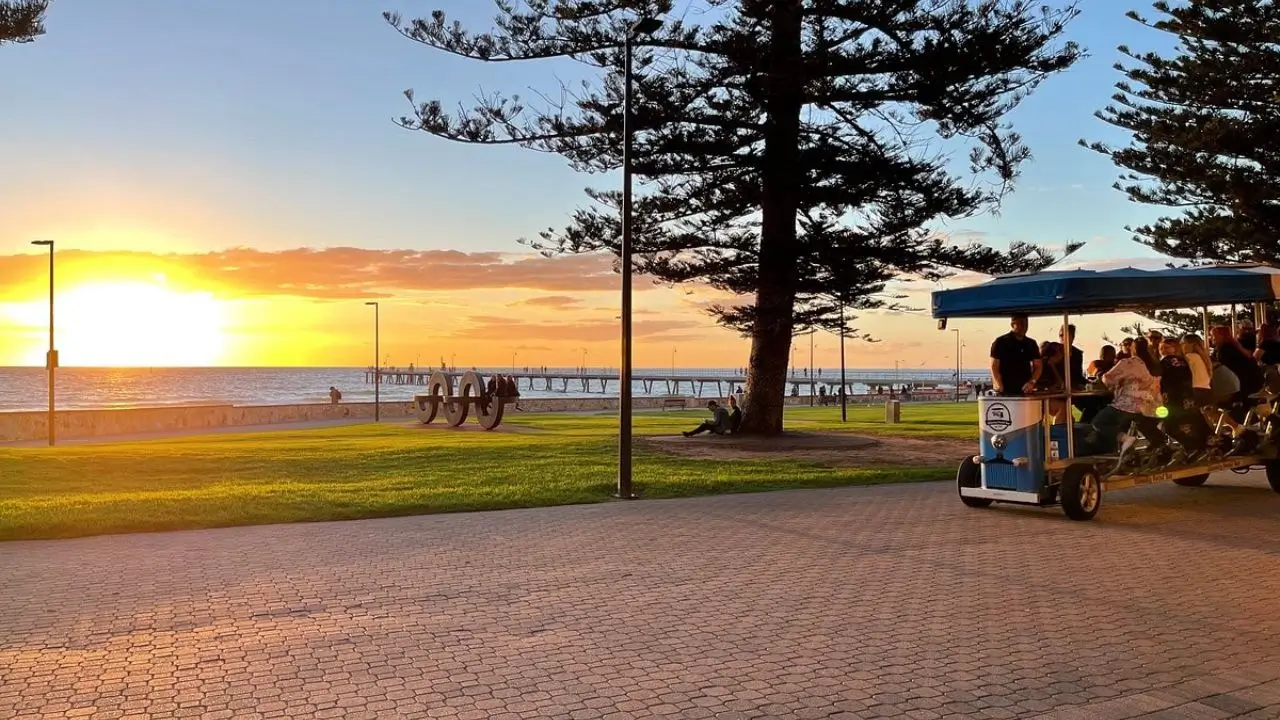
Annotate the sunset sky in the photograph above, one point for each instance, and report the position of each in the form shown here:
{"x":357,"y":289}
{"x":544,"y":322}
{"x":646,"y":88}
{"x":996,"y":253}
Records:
{"x":226,"y":187}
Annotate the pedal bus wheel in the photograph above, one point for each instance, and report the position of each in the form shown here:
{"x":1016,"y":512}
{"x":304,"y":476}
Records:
{"x":1273,"y":474}
{"x":1081,"y":492}
{"x":1193,"y":481}
{"x":970,"y":476}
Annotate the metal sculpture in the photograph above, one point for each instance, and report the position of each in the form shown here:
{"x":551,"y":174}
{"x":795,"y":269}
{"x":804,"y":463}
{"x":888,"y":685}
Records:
{"x":471,"y":391}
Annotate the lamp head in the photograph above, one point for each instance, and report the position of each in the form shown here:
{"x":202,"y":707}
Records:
{"x":42,"y":242}
{"x":645,"y":26}
{"x":372,"y":303}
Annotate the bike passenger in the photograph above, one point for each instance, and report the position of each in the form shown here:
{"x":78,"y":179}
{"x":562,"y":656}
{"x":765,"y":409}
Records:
{"x":1134,"y":386}
{"x":1229,"y":352}
{"x":1015,"y":360}
{"x":1184,"y":423}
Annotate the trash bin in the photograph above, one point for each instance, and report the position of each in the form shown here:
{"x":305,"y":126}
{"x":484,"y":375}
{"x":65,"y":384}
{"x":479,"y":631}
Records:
{"x":892,"y":412}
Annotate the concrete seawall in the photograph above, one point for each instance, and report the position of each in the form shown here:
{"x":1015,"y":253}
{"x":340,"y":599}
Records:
{"x":74,"y":424}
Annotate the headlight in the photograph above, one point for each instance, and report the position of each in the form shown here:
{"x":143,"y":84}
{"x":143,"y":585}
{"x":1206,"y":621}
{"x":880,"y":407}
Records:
{"x":998,"y":441}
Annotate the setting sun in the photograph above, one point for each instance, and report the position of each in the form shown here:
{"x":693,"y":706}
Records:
{"x":131,"y":324}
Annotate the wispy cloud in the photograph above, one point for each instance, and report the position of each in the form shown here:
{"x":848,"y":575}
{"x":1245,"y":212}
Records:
{"x":511,"y":329}
{"x":550,"y":301}
{"x":344,"y":273}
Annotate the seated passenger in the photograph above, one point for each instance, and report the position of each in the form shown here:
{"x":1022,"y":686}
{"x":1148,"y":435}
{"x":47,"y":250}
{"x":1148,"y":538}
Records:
{"x":735,"y":415}
{"x":1126,"y":349}
{"x":1228,"y":351}
{"x":1268,"y":355}
{"x":1184,"y":422}
{"x":718,"y":424}
{"x":1134,"y":386}
{"x":1053,"y":378}
{"x":1106,"y":360}
{"x":1201,"y":366}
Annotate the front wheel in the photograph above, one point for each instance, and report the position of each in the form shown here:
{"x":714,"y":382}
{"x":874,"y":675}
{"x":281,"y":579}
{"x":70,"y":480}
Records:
{"x":970,"y":476}
{"x":1081,"y":492}
{"x":1193,"y":481}
{"x":1273,"y":474}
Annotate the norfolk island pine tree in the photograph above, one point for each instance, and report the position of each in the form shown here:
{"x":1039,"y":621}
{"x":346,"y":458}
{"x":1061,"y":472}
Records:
{"x":1203,"y":121}
{"x":780,"y":143}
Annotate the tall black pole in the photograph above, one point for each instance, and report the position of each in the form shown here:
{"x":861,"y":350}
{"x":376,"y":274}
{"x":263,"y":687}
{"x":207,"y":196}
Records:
{"x":958,"y":370}
{"x":624,"y":369}
{"x":51,"y":357}
{"x":643,"y":26}
{"x":377,"y":367}
{"x":844,"y":401}
{"x":813,"y":389}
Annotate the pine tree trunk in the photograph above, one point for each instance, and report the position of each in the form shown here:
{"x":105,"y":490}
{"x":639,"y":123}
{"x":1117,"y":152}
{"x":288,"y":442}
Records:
{"x":776,"y":293}
{"x":767,"y":371}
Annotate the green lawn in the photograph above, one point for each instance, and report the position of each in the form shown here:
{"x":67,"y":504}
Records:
{"x":388,"y":469}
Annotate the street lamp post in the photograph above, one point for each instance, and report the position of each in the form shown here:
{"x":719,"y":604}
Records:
{"x":641,"y":27}
{"x":514,"y":355}
{"x":812,"y":386}
{"x":673,"y":360}
{"x":377,"y":369}
{"x":51,"y":357}
{"x":844,"y":402}
{"x":957,"y":332}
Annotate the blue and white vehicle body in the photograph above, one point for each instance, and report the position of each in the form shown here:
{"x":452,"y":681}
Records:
{"x":1011,"y":450}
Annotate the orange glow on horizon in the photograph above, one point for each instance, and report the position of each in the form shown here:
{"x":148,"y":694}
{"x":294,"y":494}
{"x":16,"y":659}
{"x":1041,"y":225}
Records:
{"x":127,"y":324}
{"x":306,"y":307}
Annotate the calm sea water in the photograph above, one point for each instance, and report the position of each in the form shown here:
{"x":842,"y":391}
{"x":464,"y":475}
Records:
{"x":25,"y":388}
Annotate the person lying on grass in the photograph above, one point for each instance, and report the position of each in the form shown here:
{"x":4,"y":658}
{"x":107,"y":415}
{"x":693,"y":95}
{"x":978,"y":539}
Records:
{"x":718,"y":424}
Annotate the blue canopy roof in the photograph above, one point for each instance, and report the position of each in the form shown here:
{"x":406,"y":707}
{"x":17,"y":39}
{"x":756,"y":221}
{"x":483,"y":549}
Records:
{"x":1075,"y":292}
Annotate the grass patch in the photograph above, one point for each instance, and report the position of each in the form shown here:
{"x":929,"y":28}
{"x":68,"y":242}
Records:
{"x":363,"y":471}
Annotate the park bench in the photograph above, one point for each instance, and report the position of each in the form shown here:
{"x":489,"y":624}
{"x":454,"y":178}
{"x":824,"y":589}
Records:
{"x":678,"y":402}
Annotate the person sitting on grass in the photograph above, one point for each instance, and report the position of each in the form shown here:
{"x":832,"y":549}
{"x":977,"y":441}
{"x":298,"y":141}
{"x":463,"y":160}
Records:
{"x":718,"y":424}
{"x":735,"y":415}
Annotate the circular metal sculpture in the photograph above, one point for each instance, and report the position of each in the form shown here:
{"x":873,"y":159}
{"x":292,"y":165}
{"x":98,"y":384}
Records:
{"x":438,"y":388}
{"x":489,"y":410}
{"x":471,"y":391}
{"x":468,"y":392}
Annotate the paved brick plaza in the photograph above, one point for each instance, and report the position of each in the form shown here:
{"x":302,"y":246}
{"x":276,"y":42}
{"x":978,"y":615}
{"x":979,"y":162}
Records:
{"x":849,"y":603}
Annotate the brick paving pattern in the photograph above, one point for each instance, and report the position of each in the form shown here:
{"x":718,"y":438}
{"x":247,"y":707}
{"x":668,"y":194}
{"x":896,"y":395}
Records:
{"x":848,"y":603}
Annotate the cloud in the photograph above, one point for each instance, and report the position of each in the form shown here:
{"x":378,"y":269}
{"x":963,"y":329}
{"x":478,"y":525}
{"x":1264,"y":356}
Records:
{"x":338,"y":273}
{"x":496,"y":327}
{"x":549,"y":301}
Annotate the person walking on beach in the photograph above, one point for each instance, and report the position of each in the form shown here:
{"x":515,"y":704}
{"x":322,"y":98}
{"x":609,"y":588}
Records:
{"x":334,"y":395}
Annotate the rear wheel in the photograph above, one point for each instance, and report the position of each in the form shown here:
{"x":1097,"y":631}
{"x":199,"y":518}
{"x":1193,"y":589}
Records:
{"x":1081,"y":492}
{"x":970,"y":476}
{"x":1193,"y":481}
{"x":1273,"y":474}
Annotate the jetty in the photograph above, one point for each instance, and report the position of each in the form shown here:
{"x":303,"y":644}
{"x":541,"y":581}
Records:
{"x":597,"y":381}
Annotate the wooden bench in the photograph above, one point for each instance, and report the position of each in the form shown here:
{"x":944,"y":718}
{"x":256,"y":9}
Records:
{"x":674,"y":402}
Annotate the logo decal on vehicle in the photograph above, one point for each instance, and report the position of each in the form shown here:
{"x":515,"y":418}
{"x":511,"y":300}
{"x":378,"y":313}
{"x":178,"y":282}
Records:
{"x":998,"y":417}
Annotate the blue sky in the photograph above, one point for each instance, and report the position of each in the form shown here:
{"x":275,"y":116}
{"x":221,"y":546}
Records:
{"x":234,"y":122}
{"x":184,"y":126}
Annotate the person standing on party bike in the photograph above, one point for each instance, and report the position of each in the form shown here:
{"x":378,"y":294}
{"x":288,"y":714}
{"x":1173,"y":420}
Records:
{"x":1015,"y":360}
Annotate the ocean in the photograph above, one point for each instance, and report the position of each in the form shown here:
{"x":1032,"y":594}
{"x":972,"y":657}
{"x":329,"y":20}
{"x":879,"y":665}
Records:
{"x":24,"y":388}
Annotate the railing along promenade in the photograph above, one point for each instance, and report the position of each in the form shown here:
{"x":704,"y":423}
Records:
{"x":598,"y":380}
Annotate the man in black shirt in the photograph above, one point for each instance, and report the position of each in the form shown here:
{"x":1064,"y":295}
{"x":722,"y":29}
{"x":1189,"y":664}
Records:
{"x":1015,"y":360}
{"x":1067,"y":335}
{"x":1089,"y":406}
